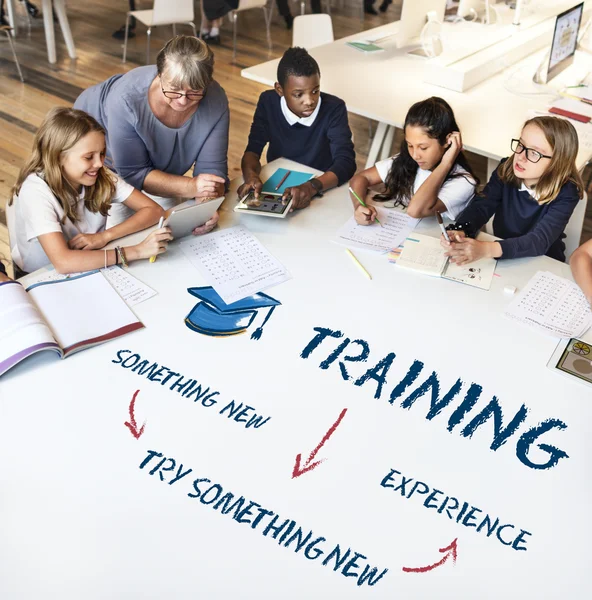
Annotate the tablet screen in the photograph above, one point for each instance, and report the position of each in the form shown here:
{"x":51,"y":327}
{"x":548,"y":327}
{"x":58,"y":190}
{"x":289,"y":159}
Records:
{"x":266,"y":203}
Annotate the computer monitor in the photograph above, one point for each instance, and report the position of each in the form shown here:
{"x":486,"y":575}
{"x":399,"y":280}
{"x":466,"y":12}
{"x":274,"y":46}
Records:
{"x":565,"y":40}
{"x":414,"y":16}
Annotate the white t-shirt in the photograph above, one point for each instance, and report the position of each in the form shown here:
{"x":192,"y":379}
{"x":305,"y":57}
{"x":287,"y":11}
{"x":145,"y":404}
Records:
{"x":36,"y":211}
{"x":455,"y":193}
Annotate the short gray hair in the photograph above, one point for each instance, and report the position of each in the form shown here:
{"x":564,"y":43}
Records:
{"x":188,"y":61}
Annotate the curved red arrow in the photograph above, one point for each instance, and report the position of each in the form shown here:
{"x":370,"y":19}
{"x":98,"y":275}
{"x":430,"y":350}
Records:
{"x":131,"y":425}
{"x":310,"y":465}
{"x":451,"y":550}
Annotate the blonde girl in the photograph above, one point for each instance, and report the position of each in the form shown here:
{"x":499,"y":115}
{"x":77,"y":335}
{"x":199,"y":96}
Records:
{"x":531,"y":196}
{"x":62,"y":198}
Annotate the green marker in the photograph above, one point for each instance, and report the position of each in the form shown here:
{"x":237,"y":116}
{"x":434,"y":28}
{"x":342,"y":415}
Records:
{"x":363,"y":204}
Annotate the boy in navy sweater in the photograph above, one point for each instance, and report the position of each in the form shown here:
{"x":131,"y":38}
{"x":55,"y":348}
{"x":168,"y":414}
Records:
{"x":302,"y":124}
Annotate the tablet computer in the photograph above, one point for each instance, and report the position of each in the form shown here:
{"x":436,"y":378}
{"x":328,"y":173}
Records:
{"x":268,"y":205}
{"x":184,"y":218}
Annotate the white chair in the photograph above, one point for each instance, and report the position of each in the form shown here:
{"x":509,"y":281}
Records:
{"x":573,"y":231}
{"x":7,"y":30}
{"x":164,"y":12}
{"x":312,"y":30}
{"x":248,"y":5}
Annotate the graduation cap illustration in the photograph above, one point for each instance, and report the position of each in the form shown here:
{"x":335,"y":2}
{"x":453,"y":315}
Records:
{"x":212,"y":316}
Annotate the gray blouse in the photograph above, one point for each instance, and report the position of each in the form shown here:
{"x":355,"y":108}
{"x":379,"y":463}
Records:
{"x":137,"y":142}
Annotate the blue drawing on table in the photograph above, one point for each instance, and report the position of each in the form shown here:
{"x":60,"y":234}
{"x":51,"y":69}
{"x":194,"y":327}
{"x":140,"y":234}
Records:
{"x":212,"y":316}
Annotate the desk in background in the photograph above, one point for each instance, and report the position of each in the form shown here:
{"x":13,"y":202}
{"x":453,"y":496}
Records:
{"x":383,"y":85}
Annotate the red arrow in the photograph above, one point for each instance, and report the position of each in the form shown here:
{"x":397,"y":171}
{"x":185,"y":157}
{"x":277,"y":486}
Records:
{"x":451,"y":551}
{"x":310,"y":465}
{"x":132,"y":424}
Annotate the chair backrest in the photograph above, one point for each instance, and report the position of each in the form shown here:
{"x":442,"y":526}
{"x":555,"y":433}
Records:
{"x":248,"y":4}
{"x":166,"y":12}
{"x":573,"y":231}
{"x":312,"y":30}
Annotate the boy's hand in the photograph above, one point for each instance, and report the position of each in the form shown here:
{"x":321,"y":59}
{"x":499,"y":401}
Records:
{"x":301,"y":195}
{"x":252,"y":185}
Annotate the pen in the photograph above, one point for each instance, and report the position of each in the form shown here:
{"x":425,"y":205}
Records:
{"x":279,"y":185}
{"x":153,"y":258}
{"x":358,"y":263}
{"x":362,"y":203}
{"x":441,"y":223}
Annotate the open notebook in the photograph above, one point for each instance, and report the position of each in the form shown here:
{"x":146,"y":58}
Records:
{"x":425,"y":254}
{"x":64,"y":316}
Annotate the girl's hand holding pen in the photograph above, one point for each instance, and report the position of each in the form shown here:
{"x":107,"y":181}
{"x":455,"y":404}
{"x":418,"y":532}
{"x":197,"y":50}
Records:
{"x":365,"y":215}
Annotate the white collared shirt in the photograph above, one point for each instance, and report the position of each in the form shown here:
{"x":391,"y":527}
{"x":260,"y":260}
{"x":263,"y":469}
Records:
{"x":532,"y":192}
{"x":293,"y":119}
{"x":455,"y":193}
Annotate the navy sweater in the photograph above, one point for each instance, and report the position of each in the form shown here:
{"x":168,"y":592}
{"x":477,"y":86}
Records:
{"x":326,"y":145}
{"x":2,"y":268}
{"x":527,"y":227}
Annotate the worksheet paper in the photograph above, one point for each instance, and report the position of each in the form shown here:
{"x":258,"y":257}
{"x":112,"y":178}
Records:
{"x":552,"y":305}
{"x":396,"y":226}
{"x":130,"y":288}
{"x":234,"y":262}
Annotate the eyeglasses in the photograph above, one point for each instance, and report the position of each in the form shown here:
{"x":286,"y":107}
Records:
{"x":531,"y":155}
{"x":189,"y":95}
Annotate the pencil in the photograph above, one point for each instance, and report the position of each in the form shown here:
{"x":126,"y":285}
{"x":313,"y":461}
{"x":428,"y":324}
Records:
{"x":153,"y":258}
{"x":441,"y":223}
{"x":584,"y":100}
{"x":362,"y":203}
{"x":358,"y":263}
{"x":279,"y":185}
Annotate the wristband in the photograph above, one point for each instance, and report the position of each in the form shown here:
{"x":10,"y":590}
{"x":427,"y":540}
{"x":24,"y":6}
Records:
{"x":317,"y":185}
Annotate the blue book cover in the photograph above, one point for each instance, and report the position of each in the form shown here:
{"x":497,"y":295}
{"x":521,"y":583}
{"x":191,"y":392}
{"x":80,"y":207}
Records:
{"x":294,"y":178}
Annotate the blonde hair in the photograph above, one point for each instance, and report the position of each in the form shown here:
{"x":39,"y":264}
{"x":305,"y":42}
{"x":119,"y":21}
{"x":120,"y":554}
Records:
{"x":187,"y":61}
{"x":563,"y":139}
{"x":61,"y":129}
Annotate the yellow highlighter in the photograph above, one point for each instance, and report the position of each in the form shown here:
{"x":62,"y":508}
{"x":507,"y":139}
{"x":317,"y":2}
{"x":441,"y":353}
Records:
{"x":153,"y":258}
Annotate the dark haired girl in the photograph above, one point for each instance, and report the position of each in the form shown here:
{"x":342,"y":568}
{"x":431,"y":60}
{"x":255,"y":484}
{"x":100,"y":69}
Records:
{"x":430,"y":174}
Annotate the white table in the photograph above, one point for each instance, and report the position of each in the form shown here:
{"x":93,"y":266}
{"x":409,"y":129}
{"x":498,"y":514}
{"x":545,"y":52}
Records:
{"x":78,"y":512}
{"x":47,"y":8}
{"x":382,"y":86}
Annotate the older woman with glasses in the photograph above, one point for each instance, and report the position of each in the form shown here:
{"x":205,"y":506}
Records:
{"x":162,"y":120}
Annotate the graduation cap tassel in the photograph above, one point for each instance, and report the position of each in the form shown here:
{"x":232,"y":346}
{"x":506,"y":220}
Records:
{"x":256,"y":335}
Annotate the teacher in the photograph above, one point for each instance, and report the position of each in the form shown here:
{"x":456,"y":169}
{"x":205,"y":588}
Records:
{"x":162,"y":120}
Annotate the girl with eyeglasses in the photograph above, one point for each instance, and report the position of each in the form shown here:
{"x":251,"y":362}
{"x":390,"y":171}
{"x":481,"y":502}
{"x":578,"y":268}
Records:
{"x":531,"y":196}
